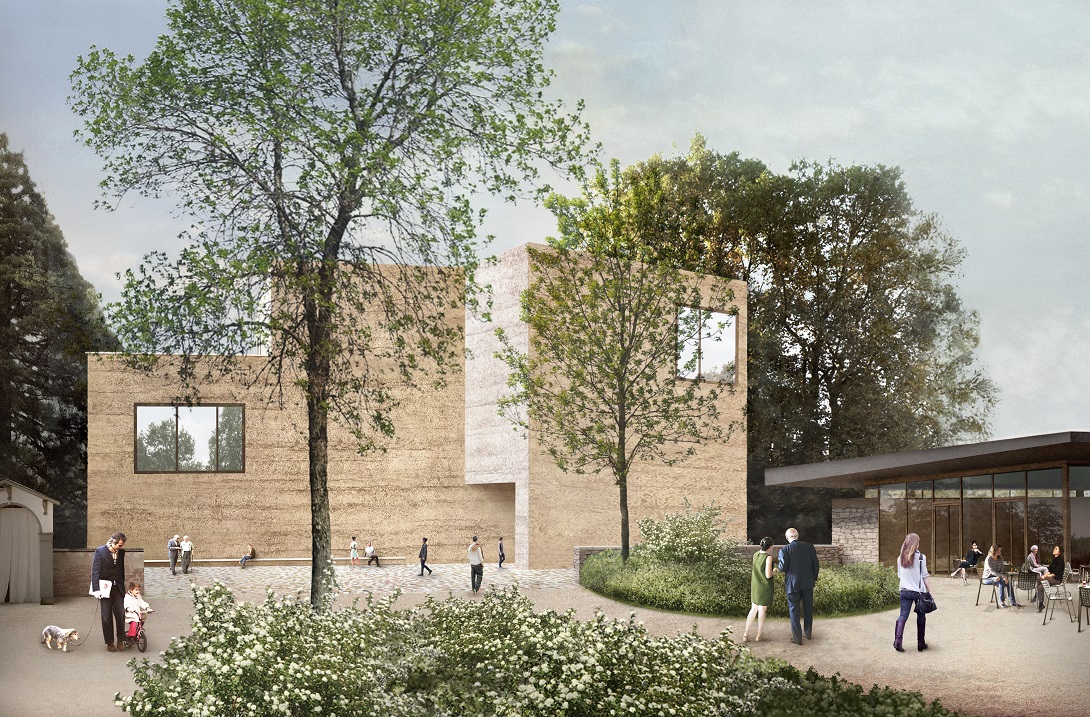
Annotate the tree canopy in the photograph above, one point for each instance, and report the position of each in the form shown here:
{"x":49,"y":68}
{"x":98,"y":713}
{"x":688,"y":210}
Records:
{"x":49,"y":319}
{"x":601,"y":385}
{"x":331,"y":153}
{"x":858,"y":341}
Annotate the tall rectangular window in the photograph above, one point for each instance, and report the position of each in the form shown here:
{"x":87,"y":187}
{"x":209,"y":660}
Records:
{"x":190,"y":439}
{"x":892,"y":521}
{"x":1079,"y":485}
{"x":976,"y":512}
{"x":707,"y":345}
{"x":919,"y":514}
{"x":1045,"y":510}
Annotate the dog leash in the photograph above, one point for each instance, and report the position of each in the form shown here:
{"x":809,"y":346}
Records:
{"x":85,"y":635}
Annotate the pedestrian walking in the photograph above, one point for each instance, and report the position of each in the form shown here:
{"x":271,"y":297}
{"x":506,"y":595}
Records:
{"x":187,"y":553}
{"x":502,"y":555}
{"x":799,"y":565}
{"x":912,"y":571}
{"x":424,"y":557}
{"x":108,"y":566}
{"x":354,"y":553}
{"x":760,"y":589}
{"x":476,"y":565}
{"x":174,"y":548}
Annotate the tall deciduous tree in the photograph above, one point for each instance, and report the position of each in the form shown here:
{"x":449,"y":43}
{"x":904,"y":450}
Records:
{"x":49,"y":319}
{"x":858,"y":341}
{"x":315,"y":140}
{"x":600,"y":385}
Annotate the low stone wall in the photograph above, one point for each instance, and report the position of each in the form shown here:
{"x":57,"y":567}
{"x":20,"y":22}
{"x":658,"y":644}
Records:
{"x":582,"y":552}
{"x":827,"y":554}
{"x":72,"y":570}
{"x":855,"y":529}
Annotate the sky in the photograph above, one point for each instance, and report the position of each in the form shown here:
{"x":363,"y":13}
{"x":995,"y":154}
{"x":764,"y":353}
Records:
{"x":984,"y":105}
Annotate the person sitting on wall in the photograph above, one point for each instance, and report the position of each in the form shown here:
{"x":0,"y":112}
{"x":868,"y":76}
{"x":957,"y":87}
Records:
{"x":369,"y":551}
{"x":250,"y":555}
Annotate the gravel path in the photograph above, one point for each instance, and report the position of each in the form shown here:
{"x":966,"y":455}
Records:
{"x":982,"y":661}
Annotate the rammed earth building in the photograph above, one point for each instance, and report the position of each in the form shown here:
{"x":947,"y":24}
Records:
{"x":232,"y":470}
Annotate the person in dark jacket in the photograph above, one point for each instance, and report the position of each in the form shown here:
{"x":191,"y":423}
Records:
{"x":109,"y":564}
{"x":971,"y":559}
{"x":799,"y":565}
{"x":424,"y":557}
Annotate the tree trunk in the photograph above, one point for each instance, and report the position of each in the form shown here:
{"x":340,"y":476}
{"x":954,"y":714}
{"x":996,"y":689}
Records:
{"x":622,"y":483}
{"x":318,"y":433}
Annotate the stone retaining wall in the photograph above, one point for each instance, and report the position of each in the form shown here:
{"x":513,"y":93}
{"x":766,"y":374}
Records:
{"x":855,"y":529}
{"x":72,"y":570}
{"x":827,"y":554}
{"x":582,"y":552}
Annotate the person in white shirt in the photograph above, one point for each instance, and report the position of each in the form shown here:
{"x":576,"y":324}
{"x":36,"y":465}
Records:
{"x":369,"y":551}
{"x":912,"y":571}
{"x":135,"y":605}
{"x":476,"y":565}
{"x":187,"y":553}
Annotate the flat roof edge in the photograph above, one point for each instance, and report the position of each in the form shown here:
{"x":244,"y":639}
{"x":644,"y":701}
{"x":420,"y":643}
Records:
{"x":851,"y":470}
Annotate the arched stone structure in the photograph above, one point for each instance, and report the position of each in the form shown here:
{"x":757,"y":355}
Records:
{"x":26,"y":544}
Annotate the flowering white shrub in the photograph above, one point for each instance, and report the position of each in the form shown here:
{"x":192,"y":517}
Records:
{"x":692,"y":537}
{"x":449,"y":657}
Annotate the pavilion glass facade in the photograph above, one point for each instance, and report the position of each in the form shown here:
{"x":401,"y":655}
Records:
{"x":1044,"y":506}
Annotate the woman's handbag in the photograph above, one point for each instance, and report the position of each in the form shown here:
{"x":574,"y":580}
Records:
{"x":924,"y":603}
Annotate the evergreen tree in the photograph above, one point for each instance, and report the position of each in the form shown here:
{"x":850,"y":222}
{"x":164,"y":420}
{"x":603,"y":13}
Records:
{"x":49,"y":319}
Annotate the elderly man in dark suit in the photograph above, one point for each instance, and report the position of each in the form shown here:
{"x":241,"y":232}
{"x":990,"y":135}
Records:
{"x":109,"y":564}
{"x":799,"y":565}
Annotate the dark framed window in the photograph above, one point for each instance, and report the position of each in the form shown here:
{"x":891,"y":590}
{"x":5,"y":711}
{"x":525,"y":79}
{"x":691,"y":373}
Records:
{"x":707,"y":345}
{"x":190,"y":439}
{"x":1045,"y":510}
{"x":892,"y":521}
{"x":1079,"y":488}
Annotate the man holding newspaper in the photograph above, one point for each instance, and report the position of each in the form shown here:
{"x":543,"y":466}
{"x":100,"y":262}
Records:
{"x":108,"y":585}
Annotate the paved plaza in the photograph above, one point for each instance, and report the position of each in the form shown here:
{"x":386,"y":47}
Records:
{"x":983,"y":661}
{"x":352,"y":581}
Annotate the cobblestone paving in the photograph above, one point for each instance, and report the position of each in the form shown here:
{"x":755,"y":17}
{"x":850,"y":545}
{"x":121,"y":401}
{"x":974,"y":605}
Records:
{"x":290,"y":579}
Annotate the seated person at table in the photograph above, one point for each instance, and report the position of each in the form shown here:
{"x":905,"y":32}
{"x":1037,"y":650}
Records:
{"x":993,"y":574}
{"x":970,"y":561}
{"x":1032,"y":564}
{"x":1056,"y":568}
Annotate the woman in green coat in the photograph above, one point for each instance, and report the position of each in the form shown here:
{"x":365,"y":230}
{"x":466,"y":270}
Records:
{"x":760,"y":589}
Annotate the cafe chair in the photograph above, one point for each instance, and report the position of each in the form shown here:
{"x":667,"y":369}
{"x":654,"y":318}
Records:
{"x":995,"y":592}
{"x":1058,"y":592}
{"x":1027,"y":580}
{"x":1084,"y":605}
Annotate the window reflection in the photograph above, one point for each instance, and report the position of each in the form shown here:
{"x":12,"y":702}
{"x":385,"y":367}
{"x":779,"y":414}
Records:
{"x":1079,"y":487}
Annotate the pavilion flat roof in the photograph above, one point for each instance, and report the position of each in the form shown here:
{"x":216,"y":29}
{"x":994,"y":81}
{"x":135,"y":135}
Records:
{"x":968,"y":459}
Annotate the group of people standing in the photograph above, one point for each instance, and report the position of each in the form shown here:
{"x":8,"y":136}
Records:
{"x":798,"y":561}
{"x":180,"y":551}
